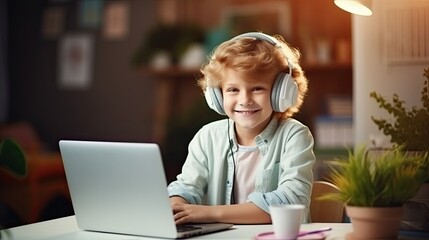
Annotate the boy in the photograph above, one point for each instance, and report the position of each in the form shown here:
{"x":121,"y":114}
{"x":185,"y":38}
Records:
{"x":259,"y":156}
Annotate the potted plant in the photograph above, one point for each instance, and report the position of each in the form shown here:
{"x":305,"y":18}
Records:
{"x":374,"y":187}
{"x":410,"y":126}
{"x":409,"y":129}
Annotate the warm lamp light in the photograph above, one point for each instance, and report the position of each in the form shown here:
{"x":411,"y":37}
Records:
{"x":359,"y":7}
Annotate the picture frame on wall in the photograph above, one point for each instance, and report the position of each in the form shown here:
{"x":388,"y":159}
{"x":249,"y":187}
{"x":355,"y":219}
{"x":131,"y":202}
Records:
{"x":53,"y":22}
{"x":116,"y":20}
{"x":275,"y":15}
{"x":90,"y":13}
{"x":76,"y":61}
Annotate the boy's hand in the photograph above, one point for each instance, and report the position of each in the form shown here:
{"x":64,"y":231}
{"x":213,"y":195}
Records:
{"x":186,"y":213}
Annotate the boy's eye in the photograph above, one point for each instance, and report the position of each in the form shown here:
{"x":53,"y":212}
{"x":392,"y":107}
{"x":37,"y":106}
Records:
{"x":231,"y":89}
{"x":258,"y":89}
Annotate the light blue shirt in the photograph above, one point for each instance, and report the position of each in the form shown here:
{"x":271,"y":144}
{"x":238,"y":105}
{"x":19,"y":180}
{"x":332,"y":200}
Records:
{"x":284,"y":174}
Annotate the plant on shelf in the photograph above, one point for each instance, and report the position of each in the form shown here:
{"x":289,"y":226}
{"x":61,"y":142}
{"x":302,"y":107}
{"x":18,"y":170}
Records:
{"x":411,"y":126}
{"x":372,"y":184}
{"x":170,"y":41}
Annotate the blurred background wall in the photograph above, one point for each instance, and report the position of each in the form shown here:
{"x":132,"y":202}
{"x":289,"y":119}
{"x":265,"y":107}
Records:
{"x":117,"y":104}
{"x":4,"y":88}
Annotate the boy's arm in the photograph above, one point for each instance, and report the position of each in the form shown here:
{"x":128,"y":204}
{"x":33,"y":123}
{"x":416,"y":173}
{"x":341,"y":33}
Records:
{"x":245,"y":213}
{"x":177,"y":200}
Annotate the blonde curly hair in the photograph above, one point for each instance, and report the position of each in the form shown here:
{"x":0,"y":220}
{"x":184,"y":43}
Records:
{"x":252,"y":56}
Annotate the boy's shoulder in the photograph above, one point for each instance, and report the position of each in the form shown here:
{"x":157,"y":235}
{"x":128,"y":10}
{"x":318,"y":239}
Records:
{"x":217,"y":124}
{"x":291,"y":123}
{"x":215,"y":129}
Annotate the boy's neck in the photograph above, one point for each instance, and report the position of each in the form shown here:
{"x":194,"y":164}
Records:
{"x":246,"y":137}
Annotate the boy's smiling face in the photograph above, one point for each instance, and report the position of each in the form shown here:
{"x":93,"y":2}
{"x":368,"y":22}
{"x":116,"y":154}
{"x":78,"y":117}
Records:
{"x":247,"y":102}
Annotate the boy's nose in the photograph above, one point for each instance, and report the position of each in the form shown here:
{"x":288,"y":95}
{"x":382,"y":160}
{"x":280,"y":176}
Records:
{"x":249,"y":103}
{"x":246,"y":100}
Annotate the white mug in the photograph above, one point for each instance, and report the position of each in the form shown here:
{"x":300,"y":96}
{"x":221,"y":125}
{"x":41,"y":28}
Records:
{"x":286,"y":220}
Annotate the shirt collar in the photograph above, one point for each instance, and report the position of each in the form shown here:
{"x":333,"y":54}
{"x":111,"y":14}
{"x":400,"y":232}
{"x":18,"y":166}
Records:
{"x":264,"y":138}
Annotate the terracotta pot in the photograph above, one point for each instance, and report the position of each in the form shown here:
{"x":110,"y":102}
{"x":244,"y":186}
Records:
{"x":374,"y":222}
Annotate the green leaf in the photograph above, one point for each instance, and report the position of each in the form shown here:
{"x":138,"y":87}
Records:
{"x":12,"y":157}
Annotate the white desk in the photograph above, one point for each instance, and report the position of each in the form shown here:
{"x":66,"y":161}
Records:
{"x":67,"y":229}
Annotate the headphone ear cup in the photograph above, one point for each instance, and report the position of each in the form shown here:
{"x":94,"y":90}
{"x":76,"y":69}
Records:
{"x":284,"y":93}
{"x":214,"y":99}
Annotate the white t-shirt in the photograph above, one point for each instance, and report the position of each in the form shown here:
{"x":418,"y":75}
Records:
{"x":246,"y":163}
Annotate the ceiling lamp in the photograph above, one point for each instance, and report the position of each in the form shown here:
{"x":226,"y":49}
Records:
{"x":359,"y":7}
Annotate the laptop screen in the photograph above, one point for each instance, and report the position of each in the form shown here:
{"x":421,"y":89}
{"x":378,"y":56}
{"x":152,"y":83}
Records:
{"x":118,"y":187}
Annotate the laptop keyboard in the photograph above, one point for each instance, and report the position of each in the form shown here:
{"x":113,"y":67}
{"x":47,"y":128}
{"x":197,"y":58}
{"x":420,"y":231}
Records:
{"x":184,"y":228}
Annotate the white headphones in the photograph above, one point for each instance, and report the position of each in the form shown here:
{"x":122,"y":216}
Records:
{"x":285,"y":90}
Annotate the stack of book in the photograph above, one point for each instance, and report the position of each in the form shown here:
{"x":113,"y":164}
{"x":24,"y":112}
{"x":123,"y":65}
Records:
{"x":335,"y":130}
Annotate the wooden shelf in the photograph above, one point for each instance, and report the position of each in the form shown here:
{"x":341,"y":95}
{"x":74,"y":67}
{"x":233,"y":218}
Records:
{"x":176,"y":72}
{"x":171,"y":73}
{"x":326,"y":67}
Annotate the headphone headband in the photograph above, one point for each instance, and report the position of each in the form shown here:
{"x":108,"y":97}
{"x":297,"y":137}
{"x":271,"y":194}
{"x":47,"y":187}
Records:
{"x":258,"y":35}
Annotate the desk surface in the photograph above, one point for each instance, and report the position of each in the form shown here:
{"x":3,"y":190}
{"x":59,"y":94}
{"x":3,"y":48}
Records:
{"x":67,"y":229}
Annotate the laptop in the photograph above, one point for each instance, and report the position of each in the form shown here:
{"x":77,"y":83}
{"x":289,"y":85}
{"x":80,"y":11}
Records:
{"x":120,"y":187}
